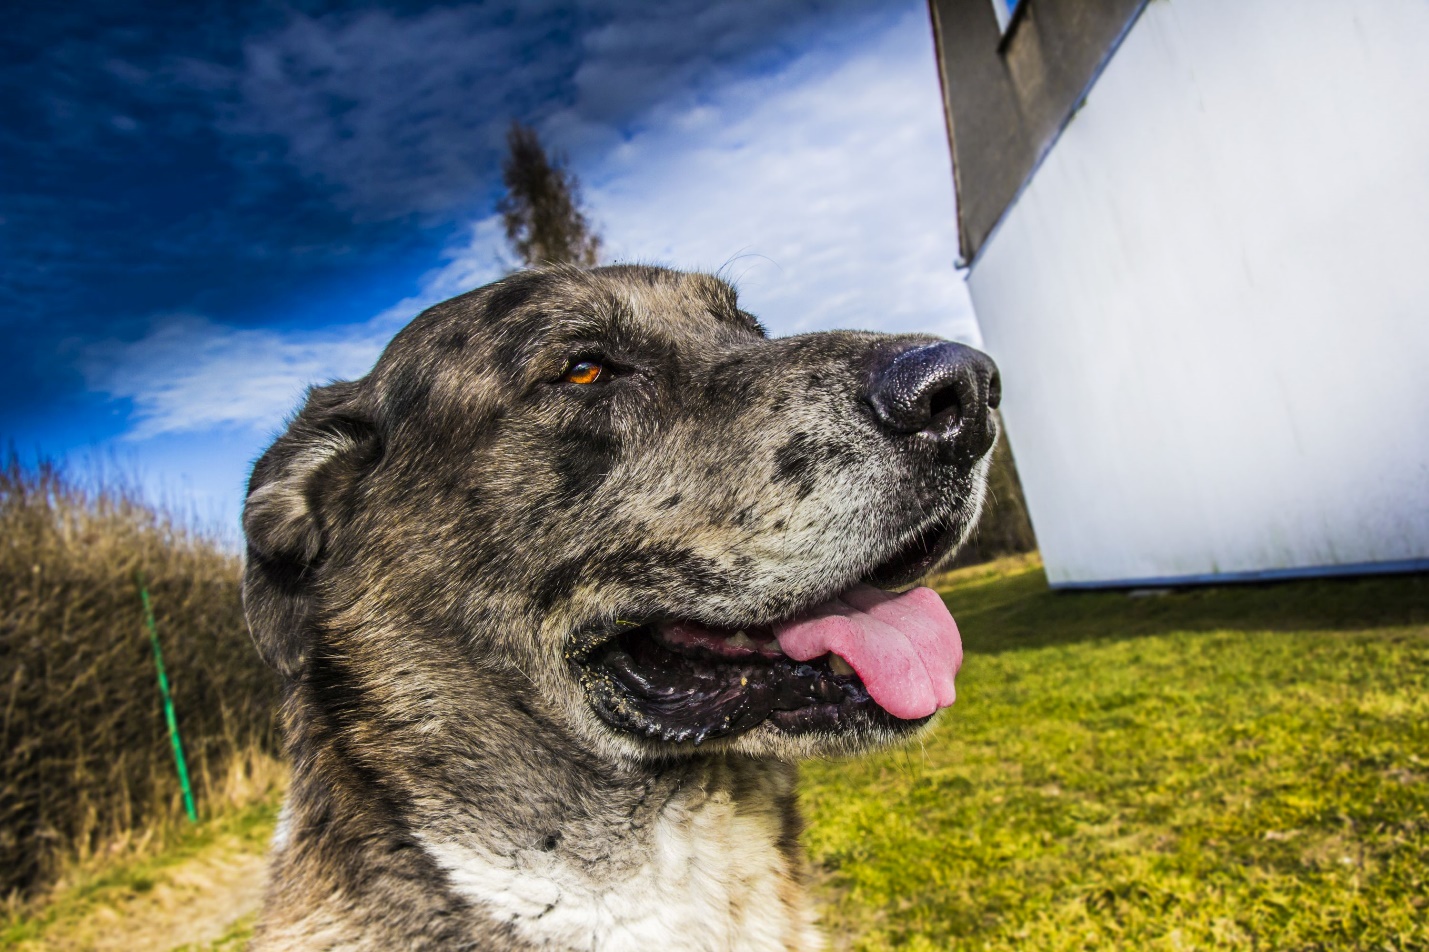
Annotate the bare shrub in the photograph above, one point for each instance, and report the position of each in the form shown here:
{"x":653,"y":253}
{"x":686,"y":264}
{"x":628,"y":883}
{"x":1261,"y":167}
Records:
{"x":85,"y":758}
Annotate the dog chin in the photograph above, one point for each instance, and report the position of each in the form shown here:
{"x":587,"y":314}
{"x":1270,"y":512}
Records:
{"x":853,"y":740}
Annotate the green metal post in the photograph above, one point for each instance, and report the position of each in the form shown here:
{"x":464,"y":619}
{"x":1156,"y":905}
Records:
{"x":169,"y":715}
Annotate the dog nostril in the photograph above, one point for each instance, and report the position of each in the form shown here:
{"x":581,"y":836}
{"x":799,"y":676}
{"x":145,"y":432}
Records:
{"x":943,"y":405}
{"x":994,"y":391}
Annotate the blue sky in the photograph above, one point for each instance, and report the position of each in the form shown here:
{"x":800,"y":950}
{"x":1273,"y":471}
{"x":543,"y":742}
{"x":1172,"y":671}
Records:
{"x":205,"y":207}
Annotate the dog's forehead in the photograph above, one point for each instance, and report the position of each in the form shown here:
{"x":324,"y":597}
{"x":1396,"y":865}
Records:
{"x":660,"y":302}
{"x":519,"y":314}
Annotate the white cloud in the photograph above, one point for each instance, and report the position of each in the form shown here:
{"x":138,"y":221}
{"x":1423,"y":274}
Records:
{"x":823,"y":189}
{"x":402,"y":112}
{"x":826,"y":190}
{"x":190,"y":374}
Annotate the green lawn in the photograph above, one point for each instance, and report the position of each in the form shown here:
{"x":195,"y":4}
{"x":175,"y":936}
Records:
{"x":1233,"y":768}
{"x":1244,"y":767}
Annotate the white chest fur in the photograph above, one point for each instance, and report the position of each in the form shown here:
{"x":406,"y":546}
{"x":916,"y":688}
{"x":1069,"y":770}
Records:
{"x":706,"y":876}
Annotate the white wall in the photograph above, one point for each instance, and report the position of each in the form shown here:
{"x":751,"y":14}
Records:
{"x":1211,"y":304}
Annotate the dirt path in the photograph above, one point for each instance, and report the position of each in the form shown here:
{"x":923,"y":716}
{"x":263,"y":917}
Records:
{"x":197,"y":904}
{"x":205,"y":901}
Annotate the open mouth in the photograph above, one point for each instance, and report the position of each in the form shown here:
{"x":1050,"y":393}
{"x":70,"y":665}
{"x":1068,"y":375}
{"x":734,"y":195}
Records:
{"x":866,"y":658}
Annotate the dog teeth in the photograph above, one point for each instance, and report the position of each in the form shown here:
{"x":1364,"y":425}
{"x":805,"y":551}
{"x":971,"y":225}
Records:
{"x":741,"y":640}
{"x":839,"y":666}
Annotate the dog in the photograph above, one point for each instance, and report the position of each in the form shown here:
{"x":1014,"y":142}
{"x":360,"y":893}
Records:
{"x":564,"y":587}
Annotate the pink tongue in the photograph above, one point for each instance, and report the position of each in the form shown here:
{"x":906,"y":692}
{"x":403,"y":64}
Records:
{"x":905,"y":647}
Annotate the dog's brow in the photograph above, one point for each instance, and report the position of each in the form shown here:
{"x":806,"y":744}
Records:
{"x":611,"y":318}
{"x":577,"y":325}
{"x":575,"y":328}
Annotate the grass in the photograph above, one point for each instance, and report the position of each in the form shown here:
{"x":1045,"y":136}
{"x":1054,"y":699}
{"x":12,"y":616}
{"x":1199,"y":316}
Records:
{"x":205,"y":881}
{"x":1233,"y":768}
{"x":1228,"y":768}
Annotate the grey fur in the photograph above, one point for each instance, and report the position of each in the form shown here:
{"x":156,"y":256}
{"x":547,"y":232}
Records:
{"x":427,"y":547}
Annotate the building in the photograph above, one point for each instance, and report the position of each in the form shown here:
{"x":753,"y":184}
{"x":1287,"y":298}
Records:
{"x":1197,"y":241}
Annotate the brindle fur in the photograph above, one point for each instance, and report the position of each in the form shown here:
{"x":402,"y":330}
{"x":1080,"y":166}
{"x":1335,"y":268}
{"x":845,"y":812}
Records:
{"x":426,"y":548}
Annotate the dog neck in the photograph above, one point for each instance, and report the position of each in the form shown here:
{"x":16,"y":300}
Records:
{"x":520,"y":827}
{"x":698,"y":856}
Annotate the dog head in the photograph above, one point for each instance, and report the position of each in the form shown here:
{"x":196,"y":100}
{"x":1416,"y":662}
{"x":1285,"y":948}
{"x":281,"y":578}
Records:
{"x":612,"y":494}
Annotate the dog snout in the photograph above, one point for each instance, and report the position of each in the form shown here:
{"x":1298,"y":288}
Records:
{"x":944,"y":392}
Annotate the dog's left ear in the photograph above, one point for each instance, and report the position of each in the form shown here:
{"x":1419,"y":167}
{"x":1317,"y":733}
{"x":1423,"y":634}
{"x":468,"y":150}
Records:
{"x":298,"y":486}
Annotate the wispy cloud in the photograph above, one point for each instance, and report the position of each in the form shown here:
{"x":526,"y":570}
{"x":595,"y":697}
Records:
{"x":190,"y":374}
{"x":826,"y":189}
{"x":392,"y":115}
{"x":822,"y":188}
{"x":400,"y":113}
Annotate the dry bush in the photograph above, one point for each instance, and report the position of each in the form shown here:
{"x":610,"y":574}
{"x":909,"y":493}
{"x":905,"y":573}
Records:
{"x":1004,"y":527}
{"x":85,"y":758}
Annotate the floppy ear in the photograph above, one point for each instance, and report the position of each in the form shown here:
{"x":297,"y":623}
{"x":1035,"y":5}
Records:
{"x":286,"y":517}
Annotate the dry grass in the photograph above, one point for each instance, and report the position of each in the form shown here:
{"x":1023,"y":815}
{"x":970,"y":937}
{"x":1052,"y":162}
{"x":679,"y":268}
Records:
{"x":86,"y":766}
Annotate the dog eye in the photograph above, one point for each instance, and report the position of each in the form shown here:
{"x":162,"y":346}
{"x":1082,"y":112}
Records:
{"x":586,"y":371}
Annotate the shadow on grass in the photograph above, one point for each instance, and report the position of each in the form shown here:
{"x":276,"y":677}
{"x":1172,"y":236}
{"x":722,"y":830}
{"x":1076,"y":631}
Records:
{"x":1007,"y":606}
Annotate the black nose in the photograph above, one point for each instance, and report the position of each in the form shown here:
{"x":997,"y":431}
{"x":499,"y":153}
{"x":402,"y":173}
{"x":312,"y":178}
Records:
{"x":945,"y":392}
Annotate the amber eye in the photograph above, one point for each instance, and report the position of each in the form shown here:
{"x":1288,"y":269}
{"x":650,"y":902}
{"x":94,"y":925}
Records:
{"x":587,"y":371}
